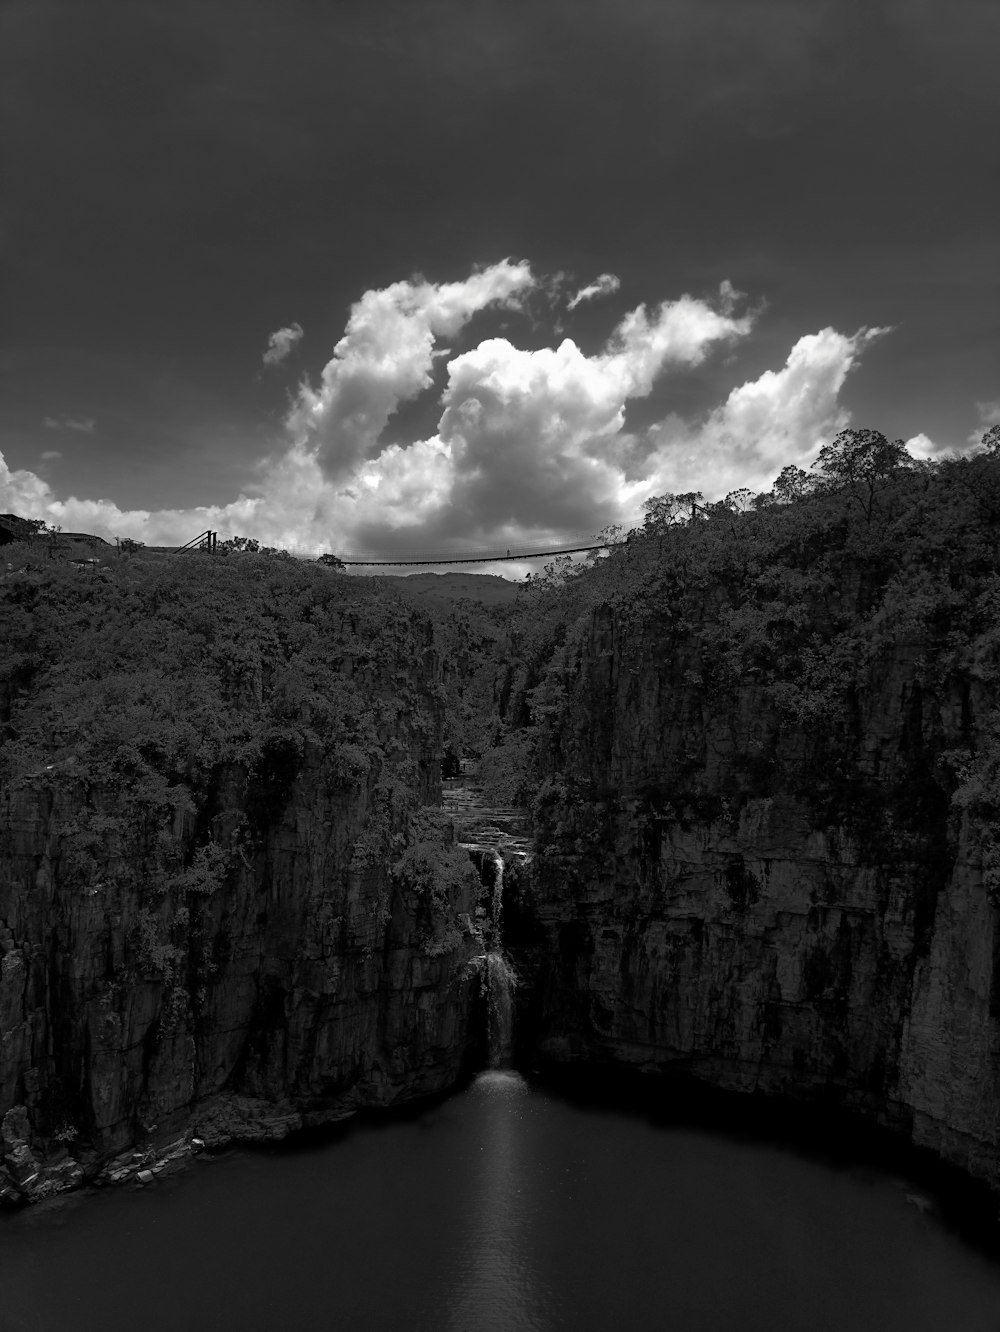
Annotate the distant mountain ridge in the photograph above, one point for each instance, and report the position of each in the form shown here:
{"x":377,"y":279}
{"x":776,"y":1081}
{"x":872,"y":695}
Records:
{"x":490,"y":589}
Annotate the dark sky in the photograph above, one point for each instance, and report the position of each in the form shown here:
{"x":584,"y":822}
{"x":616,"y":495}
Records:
{"x":184,"y":179}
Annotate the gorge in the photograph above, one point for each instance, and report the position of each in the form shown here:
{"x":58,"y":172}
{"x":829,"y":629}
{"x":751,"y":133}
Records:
{"x":758,"y":755}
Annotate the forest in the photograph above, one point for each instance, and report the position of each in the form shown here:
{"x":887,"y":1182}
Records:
{"x":166,"y":668}
{"x":756,"y":737}
{"x":800,"y":589}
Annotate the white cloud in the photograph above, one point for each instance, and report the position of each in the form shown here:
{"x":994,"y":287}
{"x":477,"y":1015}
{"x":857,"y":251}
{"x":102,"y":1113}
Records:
{"x":50,"y":455}
{"x":605,"y":285}
{"x":682,"y":332}
{"x":25,"y":493}
{"x":280,"y":344}
{"x":386,"y":357}
{"x":86,"y":425}
{"x":536,"y":436}
{"x":782,"y":417}
{"x":531,"y":444}
{"x":921,"y":446}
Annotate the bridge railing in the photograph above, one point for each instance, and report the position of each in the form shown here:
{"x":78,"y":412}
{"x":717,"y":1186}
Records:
{"x":480,"y":557}
{"x":207,"y":540}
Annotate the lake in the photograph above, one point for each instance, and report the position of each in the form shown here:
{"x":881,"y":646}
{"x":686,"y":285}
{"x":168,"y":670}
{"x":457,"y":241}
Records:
{"x":504,"y":1207}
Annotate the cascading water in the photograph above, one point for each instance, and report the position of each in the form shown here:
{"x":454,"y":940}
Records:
{"x":482,"y":829}
{"x":501,"y":979}
{"x":497,"y":904}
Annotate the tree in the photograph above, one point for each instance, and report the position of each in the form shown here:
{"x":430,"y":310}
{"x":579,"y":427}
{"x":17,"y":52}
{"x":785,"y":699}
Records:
{"x":331,"y":561}
{"x":739,"y":500}
{"x":791,"y":484}
{"x":862,"y":461}
{"x":606,"y":537}
{"x":990,"y":442}
{"x":667,"y":510}
{"x":250,"y":546}
{"x":690,"y":502}
{"x":557,"y":573}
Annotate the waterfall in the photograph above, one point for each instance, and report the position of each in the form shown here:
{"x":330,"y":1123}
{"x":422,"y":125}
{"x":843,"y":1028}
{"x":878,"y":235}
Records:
{"x":501,"y":978}
{"x":497,"y":902}
{"x":480,"y":831}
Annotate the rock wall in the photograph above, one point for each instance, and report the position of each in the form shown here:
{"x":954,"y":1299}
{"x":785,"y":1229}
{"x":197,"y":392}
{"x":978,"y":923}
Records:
{"x":767,"y":904}
{"x":282,"y":976}
{"x":799,"y":904}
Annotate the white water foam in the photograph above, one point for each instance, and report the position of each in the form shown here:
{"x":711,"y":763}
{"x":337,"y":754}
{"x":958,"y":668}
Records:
{"x":501,"y":979}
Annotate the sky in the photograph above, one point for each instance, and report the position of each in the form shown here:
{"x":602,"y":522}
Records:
{"x":401,"y":278}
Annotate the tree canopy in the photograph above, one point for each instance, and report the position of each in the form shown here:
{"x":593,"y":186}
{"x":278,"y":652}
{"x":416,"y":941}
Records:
{"x":862,"y":461}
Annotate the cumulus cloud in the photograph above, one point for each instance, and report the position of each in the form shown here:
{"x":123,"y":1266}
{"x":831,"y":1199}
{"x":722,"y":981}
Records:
{"x":280,"y":344}
{"x":25,"y":493}
{"x":536,"y":436}
{"x":605,"y":285}
{"x":531,"y":445}
{"x":782,"y":417}
{"x":86,"y":425}
{"x":921,"y":446}
{"x":680,"y":332}
{"x":386,"y":357}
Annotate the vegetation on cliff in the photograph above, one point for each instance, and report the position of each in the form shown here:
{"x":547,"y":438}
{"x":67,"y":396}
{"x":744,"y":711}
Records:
{"x":799,"y":591}
{"x":174,"y":923}
{"x":151,"y":690}
{"x":763,"y":740}
{"x":155,"y":676}
{"x":164,"y":670}
{"x":216,"y":875}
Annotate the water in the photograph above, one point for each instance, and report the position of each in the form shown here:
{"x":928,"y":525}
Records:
{"x":482,"y":827}
{"x":503,"y":1208}
{"x":495,"y":832}
{"x":500,"y":982}
{"x":498,"y":873}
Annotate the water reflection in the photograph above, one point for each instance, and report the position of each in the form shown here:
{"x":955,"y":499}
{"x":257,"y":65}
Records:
{"x":492,"y":1283}
{"x":507,"y":1210}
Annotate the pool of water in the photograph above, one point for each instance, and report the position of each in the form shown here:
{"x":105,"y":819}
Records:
{"x":502,"y":1208}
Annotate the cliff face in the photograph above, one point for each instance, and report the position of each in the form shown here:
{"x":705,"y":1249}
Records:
{"x":256,"y":958}
{"x":767,"y":832}
{"x":771,"y":904}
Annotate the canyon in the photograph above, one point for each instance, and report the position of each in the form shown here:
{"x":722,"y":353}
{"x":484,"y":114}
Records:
{"x":240,"y":954}
{"x":767,"y":908}
{"x":761,"y":852}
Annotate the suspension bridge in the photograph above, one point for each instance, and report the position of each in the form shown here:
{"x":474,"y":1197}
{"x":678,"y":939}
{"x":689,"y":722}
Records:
{"x":208,"y":541}
{"x":479,"y":557}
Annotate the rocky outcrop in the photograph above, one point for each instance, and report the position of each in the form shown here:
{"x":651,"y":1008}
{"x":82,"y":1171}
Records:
{"x":237,"y":965}
{"x":770,"y":904}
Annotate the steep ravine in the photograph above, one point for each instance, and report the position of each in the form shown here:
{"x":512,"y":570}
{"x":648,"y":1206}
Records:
{"x":301,"y":988}
{"x":765,"y":904}
{"x":229,"y":910}
{"x":289,"y":944}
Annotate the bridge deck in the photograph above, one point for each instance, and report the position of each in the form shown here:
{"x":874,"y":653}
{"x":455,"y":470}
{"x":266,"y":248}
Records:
{"x":485,"y":558}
